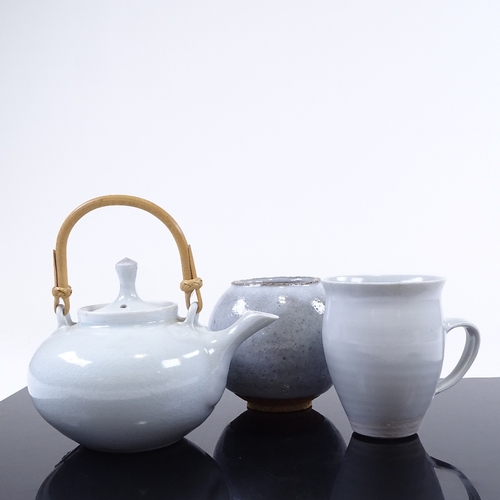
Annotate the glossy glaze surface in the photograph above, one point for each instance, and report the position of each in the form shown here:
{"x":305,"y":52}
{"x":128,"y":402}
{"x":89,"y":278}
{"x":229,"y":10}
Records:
{"x":384,"y":340}
{"x":132,"y":376}
{"x":285,"y":361}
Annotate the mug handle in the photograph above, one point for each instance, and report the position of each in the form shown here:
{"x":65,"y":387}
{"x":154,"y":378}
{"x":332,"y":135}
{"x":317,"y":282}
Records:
{"x":469,"y":487}
{"x":469,"y":353}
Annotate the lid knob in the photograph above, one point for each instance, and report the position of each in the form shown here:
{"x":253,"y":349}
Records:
{"x":128,"y":307}
{"x":127,"y":273}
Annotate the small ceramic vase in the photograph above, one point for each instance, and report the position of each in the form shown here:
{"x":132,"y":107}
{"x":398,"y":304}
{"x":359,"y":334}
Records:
{"x":283,"y":368}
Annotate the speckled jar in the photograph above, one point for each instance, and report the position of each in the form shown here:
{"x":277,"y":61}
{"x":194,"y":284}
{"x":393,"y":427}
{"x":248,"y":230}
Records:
{"x":283,"y":367}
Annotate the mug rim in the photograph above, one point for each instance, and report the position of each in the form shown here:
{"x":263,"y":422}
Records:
{"x":383,"y":279}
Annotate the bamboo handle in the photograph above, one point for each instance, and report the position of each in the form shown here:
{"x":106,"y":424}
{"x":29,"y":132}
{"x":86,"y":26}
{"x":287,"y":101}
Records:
{"x":63,"y":291}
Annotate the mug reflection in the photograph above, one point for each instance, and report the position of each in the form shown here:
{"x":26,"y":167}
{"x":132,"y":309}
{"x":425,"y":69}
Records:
{"x":392,"y":469}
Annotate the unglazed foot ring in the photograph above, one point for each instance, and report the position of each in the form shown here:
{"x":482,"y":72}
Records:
{"x":278,"y":405}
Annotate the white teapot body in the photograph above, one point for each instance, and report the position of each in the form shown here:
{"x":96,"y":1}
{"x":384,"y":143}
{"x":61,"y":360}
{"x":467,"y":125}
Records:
{"x":126,"y":379}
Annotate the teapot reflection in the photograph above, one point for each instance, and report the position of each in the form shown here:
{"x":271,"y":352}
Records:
{"x":395,"y":469}
{"x":280,"y":455}
{"x":181,"y":471}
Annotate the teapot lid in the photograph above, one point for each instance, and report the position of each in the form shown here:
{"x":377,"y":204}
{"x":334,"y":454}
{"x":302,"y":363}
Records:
{"x":128,"y":306}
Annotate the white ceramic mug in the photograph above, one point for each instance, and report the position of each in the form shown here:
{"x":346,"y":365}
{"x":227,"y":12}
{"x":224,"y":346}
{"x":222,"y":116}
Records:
{"x":384,"y":340}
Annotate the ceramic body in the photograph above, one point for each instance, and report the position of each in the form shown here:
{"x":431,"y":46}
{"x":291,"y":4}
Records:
{"x":133,"y":376}
{"x":384,"y":340}
{"x":283,"y":367}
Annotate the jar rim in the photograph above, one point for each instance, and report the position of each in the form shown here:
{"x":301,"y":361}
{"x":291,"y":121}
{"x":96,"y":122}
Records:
{"x":278,"y":281}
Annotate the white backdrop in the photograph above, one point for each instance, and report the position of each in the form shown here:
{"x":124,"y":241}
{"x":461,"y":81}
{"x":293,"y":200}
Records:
{"x":285,"y":137}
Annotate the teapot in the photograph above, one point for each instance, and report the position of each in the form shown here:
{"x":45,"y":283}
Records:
{"x":132,"y":376}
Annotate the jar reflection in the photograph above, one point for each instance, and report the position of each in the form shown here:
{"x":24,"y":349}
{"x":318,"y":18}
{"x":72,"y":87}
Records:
{"x":181,"y":471}
{"x":280,"y":455}
{"x":391,"y":469}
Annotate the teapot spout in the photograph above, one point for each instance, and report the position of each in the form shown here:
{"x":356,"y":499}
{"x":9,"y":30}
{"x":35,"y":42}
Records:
{"x":222,"y":344}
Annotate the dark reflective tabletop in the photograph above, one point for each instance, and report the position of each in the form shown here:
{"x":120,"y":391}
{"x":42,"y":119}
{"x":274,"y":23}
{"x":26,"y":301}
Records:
{"x":242,"y":454}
